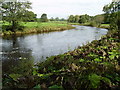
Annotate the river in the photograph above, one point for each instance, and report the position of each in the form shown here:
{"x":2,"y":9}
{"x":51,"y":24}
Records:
{"x":37,"y":47}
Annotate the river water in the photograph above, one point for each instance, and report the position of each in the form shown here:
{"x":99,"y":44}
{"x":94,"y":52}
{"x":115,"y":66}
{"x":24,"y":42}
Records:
{"x":39,"y":46}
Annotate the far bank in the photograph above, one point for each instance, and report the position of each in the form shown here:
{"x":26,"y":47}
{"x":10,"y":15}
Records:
{"x":35,"y":27}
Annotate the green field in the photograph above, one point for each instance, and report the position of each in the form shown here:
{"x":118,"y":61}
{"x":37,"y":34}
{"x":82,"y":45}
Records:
{"x":107,"y":26}
{"x":43,"y":24}
{"x":38,"y":27}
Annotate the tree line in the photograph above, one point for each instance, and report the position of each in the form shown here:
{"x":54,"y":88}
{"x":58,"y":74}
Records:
{"x":79,"y":18}
{"x":98,"y":19}
{"x":111,"y":16}
{"x":44,"y":18}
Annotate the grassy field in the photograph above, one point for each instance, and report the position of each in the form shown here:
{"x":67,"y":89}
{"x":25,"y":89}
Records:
{"x":38,"y":27}
{"x":43,"y":24}
{"x":107,"y":26}
{"x":74,"y":23}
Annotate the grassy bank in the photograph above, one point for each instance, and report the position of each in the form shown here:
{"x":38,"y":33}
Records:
{"x":106,"y":26}
{"x":93,"y":66}
{"x":38,"y":27}
{"x":93,"y":24}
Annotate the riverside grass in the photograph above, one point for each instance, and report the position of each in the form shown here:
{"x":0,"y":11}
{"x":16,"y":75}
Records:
{"x":38,"y":27}
{"x":106,"y":26}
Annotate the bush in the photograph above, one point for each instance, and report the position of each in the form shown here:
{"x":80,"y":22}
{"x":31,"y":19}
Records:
{"x":6,"y":27}
{"x":9,"y":27}
{"x":93,"y":24}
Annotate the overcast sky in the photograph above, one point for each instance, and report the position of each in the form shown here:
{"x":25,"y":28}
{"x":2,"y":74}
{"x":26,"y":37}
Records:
{"x":64,"y":8}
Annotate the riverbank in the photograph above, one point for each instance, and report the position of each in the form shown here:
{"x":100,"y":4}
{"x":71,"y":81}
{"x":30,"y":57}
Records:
{"x":106,"y":26}
{"x":38,"y":27}
{"x":95,"y":65}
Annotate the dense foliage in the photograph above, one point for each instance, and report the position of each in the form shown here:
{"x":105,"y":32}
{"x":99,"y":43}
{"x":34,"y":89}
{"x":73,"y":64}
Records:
{"x":79,"y":18}
{"x":44,"y":18}
{"x":13,"y":12}
{"x":57,"y":19}
{"x":95,"y":21}
{"x":112,"y":11}
{"x":29,"y":16}
{"x":95,"y":65}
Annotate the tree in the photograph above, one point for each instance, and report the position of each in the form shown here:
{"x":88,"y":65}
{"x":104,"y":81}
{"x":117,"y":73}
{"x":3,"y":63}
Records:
{"x":76,"y":18}
{"x":57,"y":19}
{"x":82,"y":19}
{"x":71,"y":19}
{"x":112,"y":11}
{"x":62,"y":19}
{"x":79,"y":18}
{"x":52,"y":19}
{"x":13,"y":12}
{"x":98,"y":19}
{"x":29,"y":16}
{"x":87,"y":17}
{"x":44,"y":18}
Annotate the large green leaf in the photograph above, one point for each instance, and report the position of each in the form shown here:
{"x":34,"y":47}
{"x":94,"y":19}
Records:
{"x":38,"y":86}
{"x":56,"y":87}
{"x":94,"y":80}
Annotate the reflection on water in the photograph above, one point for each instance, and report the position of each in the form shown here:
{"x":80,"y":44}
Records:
{"x":14,"y":56}
{"x":44,"y":45}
